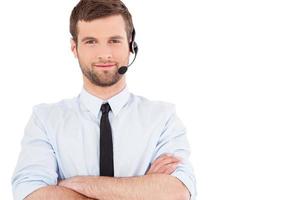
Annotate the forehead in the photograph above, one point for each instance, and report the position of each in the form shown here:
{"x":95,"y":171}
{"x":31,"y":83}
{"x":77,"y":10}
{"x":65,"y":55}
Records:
{"x":102,"y":27}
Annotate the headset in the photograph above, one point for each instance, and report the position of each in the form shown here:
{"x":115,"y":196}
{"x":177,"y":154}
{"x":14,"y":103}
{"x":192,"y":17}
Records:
{"x":133,"y":49}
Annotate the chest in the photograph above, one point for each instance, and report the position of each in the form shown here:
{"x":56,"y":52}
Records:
{"x":76,"y":143}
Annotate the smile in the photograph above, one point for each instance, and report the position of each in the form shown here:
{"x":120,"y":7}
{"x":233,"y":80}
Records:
{"x":104,"y":65}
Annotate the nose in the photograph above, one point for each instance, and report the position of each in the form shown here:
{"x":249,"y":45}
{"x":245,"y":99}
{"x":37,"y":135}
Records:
{"x":104,"y":53}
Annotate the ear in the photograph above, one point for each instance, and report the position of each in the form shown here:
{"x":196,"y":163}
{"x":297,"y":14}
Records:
{"x":73,"y":47}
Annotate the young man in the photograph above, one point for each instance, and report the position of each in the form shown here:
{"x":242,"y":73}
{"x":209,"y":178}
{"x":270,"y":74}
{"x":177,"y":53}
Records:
{"x":106,"y":143}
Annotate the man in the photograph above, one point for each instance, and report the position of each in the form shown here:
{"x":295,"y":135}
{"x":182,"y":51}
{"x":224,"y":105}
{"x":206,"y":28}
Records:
{"x":106,"y":143}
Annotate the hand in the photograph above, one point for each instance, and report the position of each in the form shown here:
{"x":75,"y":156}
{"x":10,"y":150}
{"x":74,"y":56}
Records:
{"x":165,"y":164}
{"x":75,"y":183}
{"x":83,"y":185}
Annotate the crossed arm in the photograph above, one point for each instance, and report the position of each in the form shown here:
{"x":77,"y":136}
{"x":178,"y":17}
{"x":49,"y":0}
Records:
{"x":156,"y":184}
{"x":55,"y":192}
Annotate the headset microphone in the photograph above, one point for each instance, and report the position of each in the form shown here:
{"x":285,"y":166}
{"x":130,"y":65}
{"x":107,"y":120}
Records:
{"x":122,"y":70}
{"x":134,"y":49}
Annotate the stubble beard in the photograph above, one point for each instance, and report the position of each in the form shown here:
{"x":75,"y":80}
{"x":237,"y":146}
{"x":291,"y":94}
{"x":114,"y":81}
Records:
{"x":102,"y":78}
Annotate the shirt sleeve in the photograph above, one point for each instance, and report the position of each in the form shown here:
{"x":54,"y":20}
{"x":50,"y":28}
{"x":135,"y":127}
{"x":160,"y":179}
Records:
{"x":37,"y":165}
{"x":173,"y":140}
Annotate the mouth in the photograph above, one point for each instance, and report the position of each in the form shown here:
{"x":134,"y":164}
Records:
{"x":108,"y":65}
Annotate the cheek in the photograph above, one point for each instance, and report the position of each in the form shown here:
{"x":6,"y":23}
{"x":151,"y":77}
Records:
{"x":85,"y":56}
{"x":121,"y":54}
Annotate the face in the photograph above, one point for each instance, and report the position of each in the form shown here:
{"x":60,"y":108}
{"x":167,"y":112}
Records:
{"x":102,"y":48}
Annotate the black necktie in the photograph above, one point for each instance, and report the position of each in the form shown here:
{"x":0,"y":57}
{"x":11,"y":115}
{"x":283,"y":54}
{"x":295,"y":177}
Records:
{"x":106,"y":164}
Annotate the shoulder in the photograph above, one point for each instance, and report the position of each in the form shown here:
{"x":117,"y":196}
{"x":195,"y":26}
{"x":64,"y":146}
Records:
{"x":51,"y":110}
{"x":148,"y":105}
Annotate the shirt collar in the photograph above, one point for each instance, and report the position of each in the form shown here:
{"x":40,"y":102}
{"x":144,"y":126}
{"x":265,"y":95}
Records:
{"x":92,"y":103}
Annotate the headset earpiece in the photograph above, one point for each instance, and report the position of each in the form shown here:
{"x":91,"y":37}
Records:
{"x":133,"y":45}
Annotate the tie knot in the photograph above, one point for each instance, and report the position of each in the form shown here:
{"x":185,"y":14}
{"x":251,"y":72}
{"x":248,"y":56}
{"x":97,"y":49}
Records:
{"x":105,"y":108}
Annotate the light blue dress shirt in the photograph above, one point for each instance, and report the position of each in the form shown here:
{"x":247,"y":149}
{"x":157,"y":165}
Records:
{"x":61,"y":140}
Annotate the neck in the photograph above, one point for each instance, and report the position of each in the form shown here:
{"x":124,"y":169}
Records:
{"x":104,"y":93}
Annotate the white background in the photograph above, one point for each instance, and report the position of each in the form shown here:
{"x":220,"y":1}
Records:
{"x":231,"y":67}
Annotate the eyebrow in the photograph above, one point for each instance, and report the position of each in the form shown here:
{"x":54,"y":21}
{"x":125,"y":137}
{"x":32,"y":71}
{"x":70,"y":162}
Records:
{"x":115,"y":37}
{"x":88,"y":38}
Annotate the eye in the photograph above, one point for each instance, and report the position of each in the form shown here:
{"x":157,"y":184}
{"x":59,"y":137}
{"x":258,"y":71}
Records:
{"x":91,"y":42}
{"x":115,"y":41}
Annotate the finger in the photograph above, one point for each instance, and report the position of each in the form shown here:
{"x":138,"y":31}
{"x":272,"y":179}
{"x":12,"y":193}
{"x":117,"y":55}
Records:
{"x":154,"y":166}
{"x":165,"y":162}
{"x":170,"y":169}
{"x":160,"y":163}
{"x":154,"y":163}
{"x":165,"y":169}
{"x":162,"y":157}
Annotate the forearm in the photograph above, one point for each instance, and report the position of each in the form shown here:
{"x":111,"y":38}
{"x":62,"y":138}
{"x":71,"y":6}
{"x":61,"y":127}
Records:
{"x":55,"y":193}
{"x":148,"y":187}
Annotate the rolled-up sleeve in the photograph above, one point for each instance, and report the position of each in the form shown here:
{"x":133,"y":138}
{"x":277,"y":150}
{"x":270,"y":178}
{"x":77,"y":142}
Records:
{"x":173,"y":140}
{"x":37,"y":165}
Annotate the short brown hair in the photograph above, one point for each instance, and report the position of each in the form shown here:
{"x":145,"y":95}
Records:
{"x":88,"y":10}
